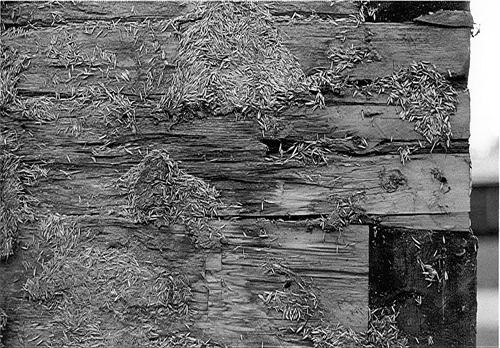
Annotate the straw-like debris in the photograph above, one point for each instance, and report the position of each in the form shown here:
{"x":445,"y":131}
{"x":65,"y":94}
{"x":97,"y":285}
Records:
{"x":296,"y":301}
{"x":58,"y":232}
{"x":107,"y":277}
{"x":83,"y":281}
{"x":63,"y":49}
{"x":330,"y":337}
{"x":425,"y":97}
{"x":332,"y":79}
{"x":3,"y":324}
{"x":382,"y":332}
{"x":405,"y":152}
{"x":231,"y":59}
{"x":11,"y":203}
{"x":346,"y":58}
{"x":12,"y":64}
{"x":316,"y":152}
{"x":9,"y":139}
{"x":346,"y":211}
{"x":308,"y":152}
{"x":161,"y":192}
{"x":41,"y":109}
{"x":183,"y":340}
{"x":113,"y":108}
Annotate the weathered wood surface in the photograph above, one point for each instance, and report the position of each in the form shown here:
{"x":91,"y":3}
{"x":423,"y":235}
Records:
{"x":52,"y":14}
{"x":399,"y":44}
{"x":225,"y":285}
{"x":272,"y":206}
{"x":441,"y":309}
{"x":448,"y":18}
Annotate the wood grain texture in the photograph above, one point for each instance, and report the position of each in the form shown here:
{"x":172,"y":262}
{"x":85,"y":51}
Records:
{"x":131,"y":46}
{"x":442,"y":309}
{"x":52,"y":14}
{"x":87,"y":114}
{"x":226,"y":284}
{"x":398,"y":44}
{"x":232,"y":156}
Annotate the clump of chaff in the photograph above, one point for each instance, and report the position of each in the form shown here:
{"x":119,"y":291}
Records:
{"x":316,"y":152}
{"x":424,"y":97}
{"x":107,"y":105}
{"x":296,"y":300}
{"x":308,"y":152}
{"x":331,"y":336}
{"x":15,"y":204}
{"x":184,"y":340}
{"x":333,"y":80}
{"x":162,"y":193}
{"x":345,"y":212}
{"x":382,"y":332}
{"x":12,"y":63}
{"x":231,"y":59}
{"x":92,"y":289}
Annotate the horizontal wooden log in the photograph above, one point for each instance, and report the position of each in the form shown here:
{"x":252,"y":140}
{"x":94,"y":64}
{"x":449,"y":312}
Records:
{"x":370,"y":118}
{"x":123,"y":54}
{"x":226,"y":303}
{"x":85,"y":167}
{"x":397,"y":44}
{"x":376,"y":122}
{"x":272,"y":191}
{"x":24,"y":13}
{"x":52,"y":14}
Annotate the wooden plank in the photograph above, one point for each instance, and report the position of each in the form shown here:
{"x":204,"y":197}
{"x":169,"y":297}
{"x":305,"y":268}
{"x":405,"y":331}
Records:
{"x":343,"y":117}
{"x":87,"y":112}
{"x":25,"y":13}
{"x":399,"y":44}
{"x":237,"y":314}
{"x":230,"y":156}
{"x":309,"y":42}
{"x":266,"y":190}
{"x":439,"y":312}
{"x":234,"y":276}
{"x":370,"y":118}
{"x":53,"y":14}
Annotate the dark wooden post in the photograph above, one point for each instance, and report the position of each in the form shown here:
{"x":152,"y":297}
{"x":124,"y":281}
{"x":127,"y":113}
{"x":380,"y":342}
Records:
{"x":235,"y":174}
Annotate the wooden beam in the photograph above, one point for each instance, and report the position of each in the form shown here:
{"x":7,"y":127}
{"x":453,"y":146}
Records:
{"x":441,"y":310}
{"x":226,"y":284}
{"x":86,"y":112}
{"x":94,"y":53}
